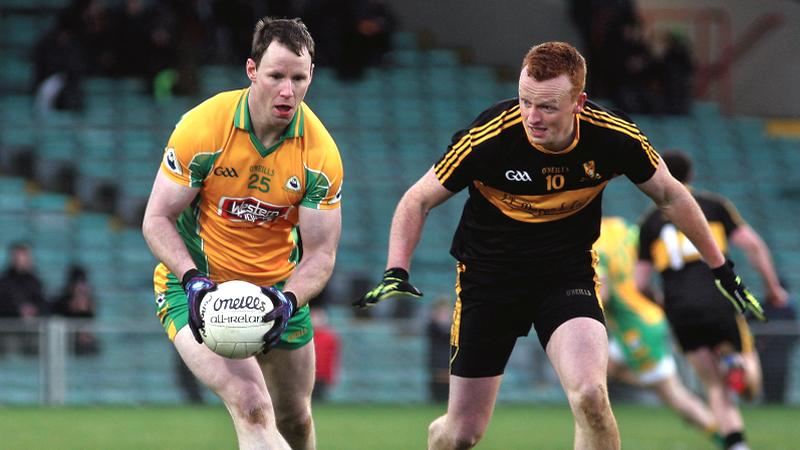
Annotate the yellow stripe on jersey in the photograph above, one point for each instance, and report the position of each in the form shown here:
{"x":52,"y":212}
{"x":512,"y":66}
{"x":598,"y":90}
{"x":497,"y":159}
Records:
{"x":591,"y":116}
{"x":473,"y":137}
{"x":540,"y":208}
{"x":600,"y":114}
{"x":462,"y":143}
{"x":493,"y":133}
{"x":456,"y":326}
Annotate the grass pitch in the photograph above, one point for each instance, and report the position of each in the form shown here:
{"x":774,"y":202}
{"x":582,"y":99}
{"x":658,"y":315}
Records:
{"x":367,"y":427}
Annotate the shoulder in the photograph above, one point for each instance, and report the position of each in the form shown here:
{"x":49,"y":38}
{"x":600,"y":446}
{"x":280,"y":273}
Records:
{"x":498,"y":114}
{"x":214,"y":114}
{"x":610,"y":121}
{"x":490,"y":123}
{"x":714,"y":203}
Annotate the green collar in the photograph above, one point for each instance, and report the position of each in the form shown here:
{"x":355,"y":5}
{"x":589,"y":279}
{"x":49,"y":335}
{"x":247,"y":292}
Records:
{"x":242,"y":121}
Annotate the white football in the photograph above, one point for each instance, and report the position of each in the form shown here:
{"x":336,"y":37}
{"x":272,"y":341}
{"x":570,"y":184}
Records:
{"x":233,"y":317}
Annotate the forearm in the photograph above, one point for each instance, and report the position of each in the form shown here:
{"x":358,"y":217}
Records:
{"x":759,"y":256}
{"x":406,"y":230}
{"x":311,"y":276}
{"x":684,"y":212}
{"x":166,"y":244}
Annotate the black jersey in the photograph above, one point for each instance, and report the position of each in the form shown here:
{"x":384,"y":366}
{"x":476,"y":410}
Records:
{"x":690,"y":294}
{"x":530,"y":208}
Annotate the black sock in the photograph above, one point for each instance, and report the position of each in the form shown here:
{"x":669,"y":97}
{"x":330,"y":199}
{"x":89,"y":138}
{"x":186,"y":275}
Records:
{"x":734,"y":438}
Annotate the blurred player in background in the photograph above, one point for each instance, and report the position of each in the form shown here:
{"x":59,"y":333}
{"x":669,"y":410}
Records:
{"x":640,"y":350}
{"x":535,"y":167}
{"x":716,"y":341}
{"x":241,"y":172}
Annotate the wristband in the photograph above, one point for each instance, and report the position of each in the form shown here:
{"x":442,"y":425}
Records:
{"x":724,"y":269}
{"x":396,"y":272}
{"x":191,"y":273}
{"x":292,"y":299}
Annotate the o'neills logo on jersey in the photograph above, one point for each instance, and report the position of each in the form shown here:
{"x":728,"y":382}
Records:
{"x":250,"y":210}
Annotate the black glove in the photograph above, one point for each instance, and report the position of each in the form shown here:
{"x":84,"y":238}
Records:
{"x":734,"y":290}
{"x":284,"y":305}
{"x":196,"y":284}
{"x":394,"y":283}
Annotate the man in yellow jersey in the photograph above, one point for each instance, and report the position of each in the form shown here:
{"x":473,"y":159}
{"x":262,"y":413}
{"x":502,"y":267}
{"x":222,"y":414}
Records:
{"x":640,"y":351}
{"x":535,"y":167}
{"x":245,"y":175}
{"x":716,"y":341}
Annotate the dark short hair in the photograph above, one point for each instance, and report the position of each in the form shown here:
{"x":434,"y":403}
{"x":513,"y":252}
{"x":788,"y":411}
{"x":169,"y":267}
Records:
{"x":290,"y":32}
{"x":18,"y":246}
{"x":679,"y":164}
{"x":553,"y":59}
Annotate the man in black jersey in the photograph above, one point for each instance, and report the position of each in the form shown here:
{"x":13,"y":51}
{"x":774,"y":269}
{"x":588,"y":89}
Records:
{"x":535,"y":167}
{"x":715,"y":340}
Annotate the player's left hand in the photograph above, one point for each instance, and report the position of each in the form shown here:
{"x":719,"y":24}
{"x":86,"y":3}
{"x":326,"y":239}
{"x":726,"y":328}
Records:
{"x":734,"y":290}
{"x":284,"y":305}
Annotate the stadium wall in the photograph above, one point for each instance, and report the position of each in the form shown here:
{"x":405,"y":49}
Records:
{"x":498,"y":33}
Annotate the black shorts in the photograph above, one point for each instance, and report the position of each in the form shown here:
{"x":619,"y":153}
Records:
{"x":730,"y":329}
{"x":494,"y":308}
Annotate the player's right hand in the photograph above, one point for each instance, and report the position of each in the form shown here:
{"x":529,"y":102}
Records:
{"x":196,"y":284}
{"x":395,"y":283}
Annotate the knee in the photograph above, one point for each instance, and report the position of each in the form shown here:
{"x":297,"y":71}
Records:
{"x":249,"y":404}
{"x":461,"y":436}
{"x":295,"y":424}
{"x":466,"y":440}
{"x":590,"y":402}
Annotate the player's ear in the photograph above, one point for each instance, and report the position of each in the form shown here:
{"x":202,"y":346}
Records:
{"x":251,"y":69}
{"x":580,"y":102}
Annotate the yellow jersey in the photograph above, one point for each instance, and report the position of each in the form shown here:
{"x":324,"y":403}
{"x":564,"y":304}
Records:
{"x":242,"y":224}
{"x":617,"y":248}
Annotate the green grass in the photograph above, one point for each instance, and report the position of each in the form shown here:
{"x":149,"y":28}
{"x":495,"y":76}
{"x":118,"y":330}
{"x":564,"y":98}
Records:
{"x":368,"y":427}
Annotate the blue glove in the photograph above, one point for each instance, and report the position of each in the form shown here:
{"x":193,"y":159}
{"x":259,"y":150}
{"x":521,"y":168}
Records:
{"x":734,"y":290}
{"x":284,"y":305}
{"x":394,"y":283}
{"x":196,"y":284}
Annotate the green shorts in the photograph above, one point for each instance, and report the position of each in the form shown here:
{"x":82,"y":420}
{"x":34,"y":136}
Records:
{"x":643,"y":345}
{"x":173,"y":311}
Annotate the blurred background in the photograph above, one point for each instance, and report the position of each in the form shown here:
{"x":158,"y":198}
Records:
{"x":91,"y":89}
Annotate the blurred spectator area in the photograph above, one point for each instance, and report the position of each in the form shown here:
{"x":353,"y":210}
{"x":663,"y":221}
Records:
{"x":74,"y":183}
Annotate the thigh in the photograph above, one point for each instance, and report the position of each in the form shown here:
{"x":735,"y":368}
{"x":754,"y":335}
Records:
{"x":472,"y":401}
{"x":226,"y":377}
{"x":578,"y":350}
{"x":705,"y":363}
{"x":289,"y":375}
